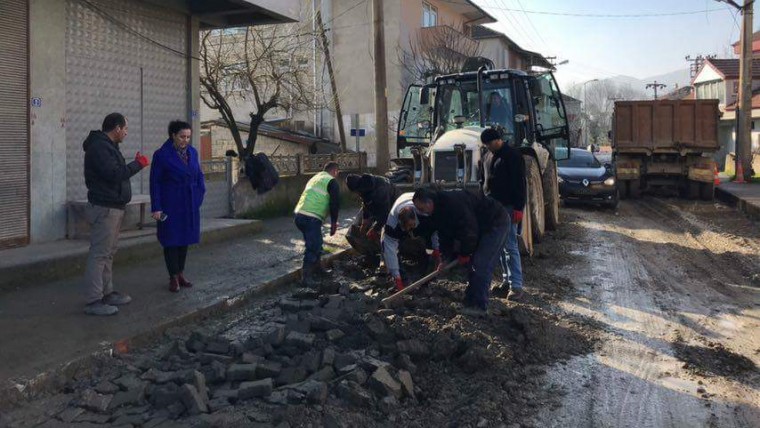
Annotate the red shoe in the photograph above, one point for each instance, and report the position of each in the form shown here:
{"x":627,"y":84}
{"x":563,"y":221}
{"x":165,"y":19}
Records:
{"x":183,"y":282}
{"x":173,"y":284}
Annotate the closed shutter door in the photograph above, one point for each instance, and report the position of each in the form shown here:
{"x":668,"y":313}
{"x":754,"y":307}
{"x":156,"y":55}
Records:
{"x":14,"y":129}
{"x":109,"y":68}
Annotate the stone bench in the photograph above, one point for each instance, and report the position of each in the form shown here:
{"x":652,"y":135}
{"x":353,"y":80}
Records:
{"x":77,"y":226}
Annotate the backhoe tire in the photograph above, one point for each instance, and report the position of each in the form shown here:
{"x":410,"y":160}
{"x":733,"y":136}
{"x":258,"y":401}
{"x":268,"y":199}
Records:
{"x":525,"y":239}
{"x":536,"y":198}
{"x":551,"y":196}
{"x":694,"y":189}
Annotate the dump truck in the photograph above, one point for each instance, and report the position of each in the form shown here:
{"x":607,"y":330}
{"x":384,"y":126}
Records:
{"x":438,"y":140}
{"x":665,"y":144}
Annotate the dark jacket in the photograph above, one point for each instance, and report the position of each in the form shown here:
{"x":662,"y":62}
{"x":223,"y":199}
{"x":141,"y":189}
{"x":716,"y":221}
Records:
{"x":333,"y":189}
{"x":502,"y":177}
{"x":106,"y":173}
{"x":378,"y":195}
{"x":177,"y":189}
{"x":461,"y":217}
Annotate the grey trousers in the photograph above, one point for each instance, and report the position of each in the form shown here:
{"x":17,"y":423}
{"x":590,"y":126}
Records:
{"x":105,"y":224}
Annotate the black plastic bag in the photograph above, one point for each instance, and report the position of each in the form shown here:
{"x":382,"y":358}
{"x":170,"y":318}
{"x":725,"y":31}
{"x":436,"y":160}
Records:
{"x":261,"y":173}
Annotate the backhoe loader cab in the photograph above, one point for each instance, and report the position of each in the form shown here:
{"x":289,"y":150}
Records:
{"x":440,"y":125}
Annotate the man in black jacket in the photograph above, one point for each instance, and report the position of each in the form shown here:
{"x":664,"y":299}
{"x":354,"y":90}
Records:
{"x":106,"y":175}
{"x":502,"y":176}
{"x":378,"y":195}
{"x":468,"y":225}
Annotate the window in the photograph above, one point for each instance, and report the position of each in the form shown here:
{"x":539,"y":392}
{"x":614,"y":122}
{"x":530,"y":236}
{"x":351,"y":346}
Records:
{"x":429,"y":16}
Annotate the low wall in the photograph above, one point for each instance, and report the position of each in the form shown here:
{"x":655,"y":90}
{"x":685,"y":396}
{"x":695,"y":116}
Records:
{"x":281,"y":200}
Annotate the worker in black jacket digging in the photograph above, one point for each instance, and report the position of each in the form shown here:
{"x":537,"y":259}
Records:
{"x":472,"y":227}
{"x":501,"y":174}
{"x":377,"y":195}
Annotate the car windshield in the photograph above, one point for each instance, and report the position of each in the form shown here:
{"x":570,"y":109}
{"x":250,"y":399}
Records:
{"x":580,"y":159}
{"x":461,"y":99}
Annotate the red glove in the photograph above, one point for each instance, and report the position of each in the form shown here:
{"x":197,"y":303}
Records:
{"x":437,"y":259}
{"x":463,"y":260}
{"x":399,"y":283}
{"x":333,"y":228}
{"x":142,"y":160}
{"x":372,"y":235}
{"x":517,"y":216}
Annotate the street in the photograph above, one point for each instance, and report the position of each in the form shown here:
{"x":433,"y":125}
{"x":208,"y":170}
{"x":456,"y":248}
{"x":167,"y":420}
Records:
{"x":668,"y":281}
{"x":643,"y":317}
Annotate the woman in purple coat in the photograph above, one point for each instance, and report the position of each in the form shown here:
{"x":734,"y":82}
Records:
{"x":176,"y":194}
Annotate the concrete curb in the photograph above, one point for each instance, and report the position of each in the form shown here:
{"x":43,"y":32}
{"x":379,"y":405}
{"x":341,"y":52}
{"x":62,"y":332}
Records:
{"x":750,"y":210}
{"x":13,"y":394}
{"x":132,"y":250}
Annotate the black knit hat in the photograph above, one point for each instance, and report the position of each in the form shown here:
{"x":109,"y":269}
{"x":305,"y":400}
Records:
{"x":489,"y":135}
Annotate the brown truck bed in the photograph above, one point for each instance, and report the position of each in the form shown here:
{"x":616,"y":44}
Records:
{"x":666,"y":126}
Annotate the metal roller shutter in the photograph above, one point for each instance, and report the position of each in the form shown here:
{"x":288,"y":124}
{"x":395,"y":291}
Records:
{"x":111,"y":66}
{"x":14,"y":125}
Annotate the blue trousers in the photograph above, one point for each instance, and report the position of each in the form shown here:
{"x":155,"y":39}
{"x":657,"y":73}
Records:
{"x":483,"y":264}
{"x":511,"y":265}
{"x":311,"y":228}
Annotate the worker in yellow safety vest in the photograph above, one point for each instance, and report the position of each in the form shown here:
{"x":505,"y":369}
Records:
{"x":320,"y":198}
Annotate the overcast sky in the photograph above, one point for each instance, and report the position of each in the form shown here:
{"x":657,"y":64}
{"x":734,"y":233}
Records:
{"x":599,"y":47}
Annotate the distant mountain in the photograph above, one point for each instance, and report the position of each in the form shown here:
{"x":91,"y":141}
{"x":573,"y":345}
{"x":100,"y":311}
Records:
{"x":680,"y":78}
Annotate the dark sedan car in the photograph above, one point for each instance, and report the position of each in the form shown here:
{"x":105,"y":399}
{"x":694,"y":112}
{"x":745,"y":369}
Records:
{"x":582,"y":178}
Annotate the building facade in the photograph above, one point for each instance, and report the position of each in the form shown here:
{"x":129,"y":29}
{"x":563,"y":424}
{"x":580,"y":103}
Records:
{"x":68,"y":63}
{"x":719,"y":79}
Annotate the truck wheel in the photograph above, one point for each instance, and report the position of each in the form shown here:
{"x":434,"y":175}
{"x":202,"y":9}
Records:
{"x":551,"y":196}
{"x":694,"y":190}
{"x":525,"y":240}
{"x":634,"y":189}
{"x":536,"y":196}
{"x":707,"y":191}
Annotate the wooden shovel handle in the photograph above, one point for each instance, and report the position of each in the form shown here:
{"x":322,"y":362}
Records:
{"x":388,"y":301}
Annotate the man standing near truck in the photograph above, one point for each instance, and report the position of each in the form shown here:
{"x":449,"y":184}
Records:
{"x":501,"y":174}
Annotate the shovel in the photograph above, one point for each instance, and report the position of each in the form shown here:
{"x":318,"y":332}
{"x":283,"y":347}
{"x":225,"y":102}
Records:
{"x":390,"y":300}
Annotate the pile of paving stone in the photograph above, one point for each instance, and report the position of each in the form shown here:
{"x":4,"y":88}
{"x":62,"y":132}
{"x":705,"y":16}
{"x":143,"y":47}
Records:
{"x":338,"y":346}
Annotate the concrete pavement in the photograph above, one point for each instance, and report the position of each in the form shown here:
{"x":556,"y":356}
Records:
{"x":43,"y":327}
{"x":745,"y":197}
{"x":39,"y":263}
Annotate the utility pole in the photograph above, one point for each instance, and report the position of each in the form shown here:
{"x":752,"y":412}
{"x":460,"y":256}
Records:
{"x":333,"y":86}
{"x":381,"y":89}
{"x":656,"y":86}
{"x":696,"y":63}
{"x":744,"y":112}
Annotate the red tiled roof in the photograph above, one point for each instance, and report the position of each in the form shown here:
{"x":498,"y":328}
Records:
{"x":729,"y":68}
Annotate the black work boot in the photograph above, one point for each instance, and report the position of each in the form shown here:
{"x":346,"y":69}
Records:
{"x":307,"y":276}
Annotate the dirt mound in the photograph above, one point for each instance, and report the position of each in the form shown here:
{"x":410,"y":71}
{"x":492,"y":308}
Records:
{"x":712,"y":359}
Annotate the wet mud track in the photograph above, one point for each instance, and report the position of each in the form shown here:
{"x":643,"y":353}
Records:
{"x":643,"y":317}
{"x":673,"y":286}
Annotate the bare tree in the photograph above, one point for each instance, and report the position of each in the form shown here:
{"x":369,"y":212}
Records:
{"x":598,"y":104}
{"x":267,"y":66}
{"x":434,"y":51}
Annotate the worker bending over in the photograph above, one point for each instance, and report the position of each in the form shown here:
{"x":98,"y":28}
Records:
{"x":403,"y":219}
{"x":472,"y":227}
{"x":377,"y":195}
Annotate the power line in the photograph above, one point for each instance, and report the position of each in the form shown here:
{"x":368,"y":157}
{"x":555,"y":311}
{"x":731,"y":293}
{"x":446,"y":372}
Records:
{"x":608,"y":15}
{"x":530,"y":21}
{"x":513,"y":24}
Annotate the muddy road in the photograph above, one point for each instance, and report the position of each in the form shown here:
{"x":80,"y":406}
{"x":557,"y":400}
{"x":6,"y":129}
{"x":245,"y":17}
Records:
{"x":644,"y":317}
{"x":673,"y":286}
